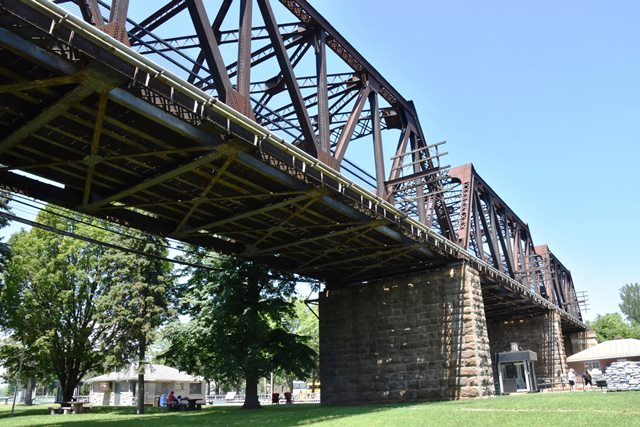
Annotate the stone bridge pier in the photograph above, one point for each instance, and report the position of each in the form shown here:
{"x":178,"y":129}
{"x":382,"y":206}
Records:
{"x":422,"y":336}
{"x":541,"y":334}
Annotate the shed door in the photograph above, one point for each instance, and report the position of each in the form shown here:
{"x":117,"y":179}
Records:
{"x":117,"y":390}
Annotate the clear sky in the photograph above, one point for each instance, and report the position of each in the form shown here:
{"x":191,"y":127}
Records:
{"x":543,"y":97}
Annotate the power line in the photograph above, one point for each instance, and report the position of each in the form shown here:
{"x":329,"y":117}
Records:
{"x":88,"y":221}
{"x":43,"y":207}
{"x":101,"y":243}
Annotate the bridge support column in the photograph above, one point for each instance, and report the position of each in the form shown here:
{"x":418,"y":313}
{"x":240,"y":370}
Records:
{"x":540,"y":334}
{"x":416,"y":337}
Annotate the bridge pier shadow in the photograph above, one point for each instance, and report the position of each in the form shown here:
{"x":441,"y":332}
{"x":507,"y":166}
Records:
{"x":416,"y":337}
{"x":541,"y":334}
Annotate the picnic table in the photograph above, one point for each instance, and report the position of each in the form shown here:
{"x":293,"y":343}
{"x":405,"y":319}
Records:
{"x":194,"y":404}
{"x":68,"y":408}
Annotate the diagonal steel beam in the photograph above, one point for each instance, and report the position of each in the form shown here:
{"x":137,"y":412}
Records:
{"x":40,"y":84}
{"x":334,"y":248}
{"x":67,"y":101}
{"x":393,"y":254}
{"x":310,"y":143}
{"x":264,"y":209}
{"x":91,"y":12}
{"x":174,"y":172}
{"x":287,"y":220}
{"x":95,"y":142}
{"x":201,"y":199}
{"x":388,"y":250}
{"x":215,"y":27}
{"x":349,"y":127}
{"x":158,"y":18}
{"x":210,"y":48}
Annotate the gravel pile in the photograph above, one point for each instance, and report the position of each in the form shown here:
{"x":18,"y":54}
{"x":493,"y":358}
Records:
{"x":623,"y":376}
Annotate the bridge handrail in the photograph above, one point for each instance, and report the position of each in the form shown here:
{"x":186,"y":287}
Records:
{"x":203,"y":100}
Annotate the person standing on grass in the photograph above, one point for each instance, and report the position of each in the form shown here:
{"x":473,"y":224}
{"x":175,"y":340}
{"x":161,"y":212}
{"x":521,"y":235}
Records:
{"x":572,"y":379}
{"x":586,"y":377}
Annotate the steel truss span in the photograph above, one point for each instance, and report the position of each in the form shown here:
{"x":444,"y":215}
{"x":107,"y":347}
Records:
{"x":235,"y":132}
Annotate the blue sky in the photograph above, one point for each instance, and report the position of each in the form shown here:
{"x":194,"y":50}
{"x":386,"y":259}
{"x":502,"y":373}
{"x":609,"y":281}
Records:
{"x":542,"y":97}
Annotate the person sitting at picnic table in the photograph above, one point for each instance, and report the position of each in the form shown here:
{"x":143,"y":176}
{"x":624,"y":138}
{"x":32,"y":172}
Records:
{"x":171,"y":400}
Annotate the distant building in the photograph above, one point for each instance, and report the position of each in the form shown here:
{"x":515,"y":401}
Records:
{"x":605,"y":353}
{"x":119,"y":388}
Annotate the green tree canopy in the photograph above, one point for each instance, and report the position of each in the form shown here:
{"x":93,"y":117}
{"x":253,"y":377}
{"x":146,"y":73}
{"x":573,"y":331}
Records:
{"x":138,"y":299}
{"x":78,"y":306}
{"x":612,"y":326}
{"x":630,"y":305}
{"x":236,"y":331}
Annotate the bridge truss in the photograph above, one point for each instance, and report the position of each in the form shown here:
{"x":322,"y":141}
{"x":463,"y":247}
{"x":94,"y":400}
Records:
{"x":134,"y":132}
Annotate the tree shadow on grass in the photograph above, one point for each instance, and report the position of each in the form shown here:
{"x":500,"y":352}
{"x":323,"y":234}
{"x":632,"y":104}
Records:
{"x":281,"y":415}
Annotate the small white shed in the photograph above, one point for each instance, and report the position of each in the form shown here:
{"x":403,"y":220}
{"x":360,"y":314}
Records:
{"x":119,"y":388}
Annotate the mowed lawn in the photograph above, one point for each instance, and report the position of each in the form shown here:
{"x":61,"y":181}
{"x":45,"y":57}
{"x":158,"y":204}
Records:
{"x":543,"y":409}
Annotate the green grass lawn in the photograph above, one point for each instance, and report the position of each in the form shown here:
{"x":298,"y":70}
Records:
{"x":542,"y":409}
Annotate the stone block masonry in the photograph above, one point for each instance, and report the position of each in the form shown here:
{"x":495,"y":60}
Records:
{"x":541,"y":334}
{"x":409,"y":338}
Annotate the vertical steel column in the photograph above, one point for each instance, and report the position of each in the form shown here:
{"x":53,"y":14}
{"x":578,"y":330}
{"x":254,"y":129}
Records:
{"x":116,"y":27}
{"x":244,"y":48}
{"x":464,"y":174}
{"x":119,"y":11}
{"x":417,"y":168}
{"x":323,"y":96}
{"x":377,"y":144}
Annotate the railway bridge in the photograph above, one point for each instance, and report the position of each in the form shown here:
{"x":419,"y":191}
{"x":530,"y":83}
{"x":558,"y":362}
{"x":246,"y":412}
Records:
{"x":254,"y":128}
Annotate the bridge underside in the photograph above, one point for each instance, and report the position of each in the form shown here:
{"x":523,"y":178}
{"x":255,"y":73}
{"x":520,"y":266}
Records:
{"x":133,"y":147}
{"x":127,"y":147}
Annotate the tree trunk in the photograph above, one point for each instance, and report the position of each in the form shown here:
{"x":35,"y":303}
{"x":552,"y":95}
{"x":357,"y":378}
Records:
{"x":251,"y":393}
{"x":141,"y":369}
{"x":28,"y":397}
{"x":67,"y":390}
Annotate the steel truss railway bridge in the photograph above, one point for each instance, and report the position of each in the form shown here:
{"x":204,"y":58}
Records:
{"x":254,"y":128}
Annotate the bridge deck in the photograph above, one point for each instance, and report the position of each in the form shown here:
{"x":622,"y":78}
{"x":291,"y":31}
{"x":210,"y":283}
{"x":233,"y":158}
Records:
{"x":131,"y":143}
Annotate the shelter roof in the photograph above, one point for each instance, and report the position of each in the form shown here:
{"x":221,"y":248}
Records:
{"x":627,"y":347}
{"x":153,"y":372}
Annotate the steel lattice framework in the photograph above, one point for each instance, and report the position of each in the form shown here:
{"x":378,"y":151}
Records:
{"x":276,"y":141}
{"x":323,"y":97}
{"x":486,"y":226}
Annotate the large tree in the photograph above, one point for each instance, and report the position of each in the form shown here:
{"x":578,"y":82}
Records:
{"x":237,"y":307}
{"x":137,"y":301}
{"x":76,"y":303}
{"x":630,"y":305}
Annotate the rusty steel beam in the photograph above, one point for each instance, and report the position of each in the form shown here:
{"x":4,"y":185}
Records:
{"x":306,"y":119}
